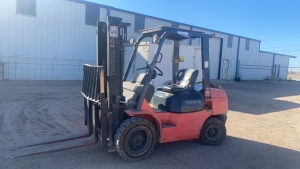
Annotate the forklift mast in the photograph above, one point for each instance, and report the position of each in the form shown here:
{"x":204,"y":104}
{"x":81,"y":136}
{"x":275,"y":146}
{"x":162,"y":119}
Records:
{"x":110,"y":56}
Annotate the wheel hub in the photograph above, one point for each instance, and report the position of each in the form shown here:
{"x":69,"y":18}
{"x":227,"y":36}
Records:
{"x":212,"y":132}
{"x":137,"y":141}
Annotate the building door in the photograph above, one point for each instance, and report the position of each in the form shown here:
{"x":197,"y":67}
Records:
{"x":225,"y":70}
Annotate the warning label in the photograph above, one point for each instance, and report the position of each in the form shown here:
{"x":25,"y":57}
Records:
{"x":113,"y":32}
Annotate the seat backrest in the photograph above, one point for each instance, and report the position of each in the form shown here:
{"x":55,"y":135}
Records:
{"x":132,"y":91}
{"x":187,"y":78}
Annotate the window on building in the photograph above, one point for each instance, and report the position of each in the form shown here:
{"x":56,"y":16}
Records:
{"x":229,"y":41}
{"x":247,"y":45}
{"x":26,"y":7}
{"x":139,"y":23}
{"x":91,"y":14}
{"x":174,"y":25}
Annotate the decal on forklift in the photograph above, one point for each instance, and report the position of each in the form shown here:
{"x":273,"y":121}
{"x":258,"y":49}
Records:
{"x":181,"y":58}
{"x":206,"y":64}
{"x":113,"y":31}
{"x":193,"y":102}
{"x":112,"y":43}
{"x":112,"y":62}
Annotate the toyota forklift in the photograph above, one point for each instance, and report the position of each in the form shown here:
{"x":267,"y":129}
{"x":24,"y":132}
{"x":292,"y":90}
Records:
{"x":131,"y":116}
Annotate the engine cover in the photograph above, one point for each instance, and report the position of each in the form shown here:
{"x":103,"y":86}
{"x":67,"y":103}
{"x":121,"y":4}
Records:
{"x":182,"y":102}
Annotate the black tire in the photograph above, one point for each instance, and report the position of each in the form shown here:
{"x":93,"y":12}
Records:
{"x":135,"y":139}
{"x":213,"y":132}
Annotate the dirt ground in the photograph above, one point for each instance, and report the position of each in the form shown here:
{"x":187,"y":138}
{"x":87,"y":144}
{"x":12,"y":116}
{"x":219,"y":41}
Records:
{"x":263,"y":129}
{"x":295,"y":77}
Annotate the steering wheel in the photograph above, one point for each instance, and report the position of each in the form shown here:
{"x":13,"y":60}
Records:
{"x":160,"y":73}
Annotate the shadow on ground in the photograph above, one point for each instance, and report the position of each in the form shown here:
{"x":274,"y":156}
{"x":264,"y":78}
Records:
{"x":232,"y":153}
{"x":260,"y":97}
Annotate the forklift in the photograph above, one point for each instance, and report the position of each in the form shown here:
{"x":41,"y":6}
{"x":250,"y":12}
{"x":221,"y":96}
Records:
{"x":130,"y":115}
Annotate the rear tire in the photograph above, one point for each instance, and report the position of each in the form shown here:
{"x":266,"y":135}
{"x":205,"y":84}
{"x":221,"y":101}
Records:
{"x":135,"y":139}
{"x":213,"y":132}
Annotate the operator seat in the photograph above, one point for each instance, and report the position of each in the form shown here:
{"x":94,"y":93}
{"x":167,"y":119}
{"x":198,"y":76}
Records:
{"x":185,"y":81}
{"x":133,"y":90}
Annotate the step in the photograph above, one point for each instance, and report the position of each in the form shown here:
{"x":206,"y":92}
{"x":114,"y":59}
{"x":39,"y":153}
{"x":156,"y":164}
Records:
{"x":168,"y":125}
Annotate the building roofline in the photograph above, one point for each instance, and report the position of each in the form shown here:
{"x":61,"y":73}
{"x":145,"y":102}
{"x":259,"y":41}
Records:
{"x":153,"y":17}
{"x":290,"y":56}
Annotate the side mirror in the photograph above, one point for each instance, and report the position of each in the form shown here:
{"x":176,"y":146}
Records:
{"x":132,"y":41}
{"x":155,"y":38}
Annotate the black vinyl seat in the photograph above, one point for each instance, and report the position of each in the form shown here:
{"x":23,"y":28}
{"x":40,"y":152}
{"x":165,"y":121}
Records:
{"x":186,"y":79}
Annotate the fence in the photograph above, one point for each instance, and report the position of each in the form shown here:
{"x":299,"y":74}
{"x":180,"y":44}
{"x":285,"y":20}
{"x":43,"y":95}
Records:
{"x":260,"y":72}
{"x":42,"y":68}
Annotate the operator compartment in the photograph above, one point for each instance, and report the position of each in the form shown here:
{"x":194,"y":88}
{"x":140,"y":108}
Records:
{"x":182,"y":102}
{"x":132,"y":90}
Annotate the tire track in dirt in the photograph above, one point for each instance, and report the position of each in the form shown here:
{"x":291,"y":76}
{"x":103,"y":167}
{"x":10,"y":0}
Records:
{"x":42,"y":115}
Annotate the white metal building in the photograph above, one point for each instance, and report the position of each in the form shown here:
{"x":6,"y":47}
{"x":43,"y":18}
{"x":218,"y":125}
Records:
{"x":52,"y":39}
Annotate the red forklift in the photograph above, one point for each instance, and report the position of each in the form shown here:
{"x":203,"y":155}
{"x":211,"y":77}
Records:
{"x":130,"y":115}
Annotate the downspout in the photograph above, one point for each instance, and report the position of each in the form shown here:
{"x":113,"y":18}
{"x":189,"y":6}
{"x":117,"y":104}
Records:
{"x":287,"y":73}
{"x":220,"y":58}
{"x":190,"y":42}
{"x":237,"y":73}
{"x":108,"y":12}
{"x":273,"y":64}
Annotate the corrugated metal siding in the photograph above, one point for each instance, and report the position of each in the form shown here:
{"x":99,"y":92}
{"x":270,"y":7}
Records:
{"x":227,"y":53}
{"x":103,"y":14}
{"x":214,"y":56}
{"x":53,"y":33}
{"x":214,"y":53}
{"x":230,"y":54}
{"x":34,"y":68}
{"x":7,"y":26}
{"x":283,"y":61}
{"x":59,"y":36}
{"x":150,"y":23}
{"x":126,"y":18}
{"x":254,"y":65}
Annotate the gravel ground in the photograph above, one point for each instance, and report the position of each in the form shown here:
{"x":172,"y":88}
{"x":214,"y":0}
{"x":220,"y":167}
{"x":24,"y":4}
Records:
{"x":294,"y":76}
{"x":263,"y":129}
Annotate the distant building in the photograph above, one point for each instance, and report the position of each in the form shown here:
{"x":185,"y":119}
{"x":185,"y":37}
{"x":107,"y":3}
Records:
{"x":52,"y":39}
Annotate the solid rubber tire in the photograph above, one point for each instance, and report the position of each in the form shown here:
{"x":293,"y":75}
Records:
{"x":126,"y":128}
{"x":216,"y":124}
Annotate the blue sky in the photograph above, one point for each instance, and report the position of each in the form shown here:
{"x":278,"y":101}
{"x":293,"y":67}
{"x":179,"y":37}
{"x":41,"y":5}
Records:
{"x":275,"y":22}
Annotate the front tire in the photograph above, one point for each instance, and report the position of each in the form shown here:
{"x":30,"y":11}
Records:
{"x":135,"y":139}
{"x":213,"y":132}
